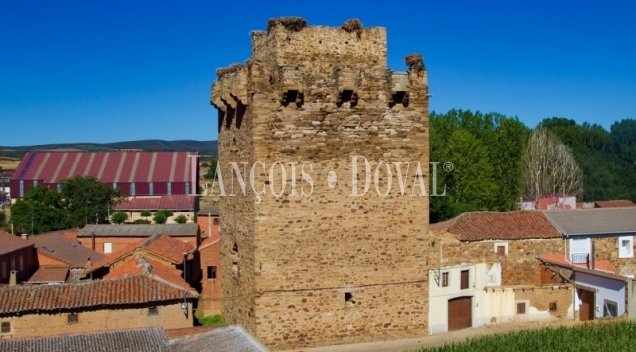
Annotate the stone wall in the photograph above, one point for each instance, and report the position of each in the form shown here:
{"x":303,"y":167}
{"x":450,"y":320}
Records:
{"x":518,"y":267}
{"x":316,"y":96}
{"x":40,"y":324}
{"x":607,"y":249}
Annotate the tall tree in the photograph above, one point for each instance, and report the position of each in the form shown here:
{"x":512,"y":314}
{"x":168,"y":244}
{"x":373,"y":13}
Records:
{"x":550,"y":167}
{"x":88,"y":200}
{"x":41,"y":210}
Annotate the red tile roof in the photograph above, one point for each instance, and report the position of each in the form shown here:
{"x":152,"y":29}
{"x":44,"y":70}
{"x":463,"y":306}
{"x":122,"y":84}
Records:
{"x":614,"y":204}
{"x":135,"y":289}
{"x":49,"y":274}
{"x":61,"y":248}
{"x":517,"y":225}
{"x":164,"y":246}
{"x":561,"y":260}
{"x":208,"y":242}
{"x":10,"y":243}
{"x":138,"y":264}
{"x":109,"y":167}
{"x":173,"y":202}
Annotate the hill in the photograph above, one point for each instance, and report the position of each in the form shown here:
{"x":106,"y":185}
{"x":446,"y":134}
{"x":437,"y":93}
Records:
{"x":203,"y":147}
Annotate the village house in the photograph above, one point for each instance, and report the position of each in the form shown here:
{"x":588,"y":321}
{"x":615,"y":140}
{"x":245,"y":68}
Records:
{"x":211,"y":293}
{"x":60,"y":259}
{"x":108,"y":239}
{"x":140,"y":294}
{"x":163,"y":249}
{"x":486,"y":271}
{"x":18,"y":260}
{"x":209,"y":221}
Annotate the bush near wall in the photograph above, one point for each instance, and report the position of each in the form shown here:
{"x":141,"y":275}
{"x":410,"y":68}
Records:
{"x":210,"y":320}
{"x":610,"y":336}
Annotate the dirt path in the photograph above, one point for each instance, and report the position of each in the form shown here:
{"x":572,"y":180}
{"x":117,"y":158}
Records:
{"x":434,"y":340}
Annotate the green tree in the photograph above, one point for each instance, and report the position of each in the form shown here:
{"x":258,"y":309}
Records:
{"x":180,"y":219}
{"x":211,"y":170}
{"x":86,"y":199}
{"x":41,"y":210}
{"x":3,"y":219}
{"x":146,"y":213}
{"x":119,"y":217}
{"x":160,"y":217}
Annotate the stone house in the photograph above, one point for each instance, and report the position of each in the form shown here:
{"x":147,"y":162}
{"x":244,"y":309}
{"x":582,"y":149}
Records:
{"x":18,"y":260}
{"x":108,"y":239}
{"x":487,"y":272}
{"x":140,"y":294}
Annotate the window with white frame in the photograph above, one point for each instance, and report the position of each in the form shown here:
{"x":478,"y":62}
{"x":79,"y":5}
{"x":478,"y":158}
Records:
{"x":501,"y":248}
{"x":626,"y":247}
{"x":579,"y":250}
{"x":108,"y":247}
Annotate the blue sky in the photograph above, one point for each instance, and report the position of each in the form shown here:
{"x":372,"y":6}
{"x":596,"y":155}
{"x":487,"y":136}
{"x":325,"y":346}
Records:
{"x":109,"y":71}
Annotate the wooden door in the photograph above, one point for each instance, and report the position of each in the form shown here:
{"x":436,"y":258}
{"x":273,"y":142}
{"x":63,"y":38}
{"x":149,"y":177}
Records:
{"x":460,"y":313}
{"x":586,"y":310}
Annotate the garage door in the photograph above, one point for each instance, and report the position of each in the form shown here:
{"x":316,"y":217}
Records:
{"x":460,"y":313}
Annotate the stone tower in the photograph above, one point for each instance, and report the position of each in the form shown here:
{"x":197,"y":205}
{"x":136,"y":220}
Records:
{"x":305,"y":259}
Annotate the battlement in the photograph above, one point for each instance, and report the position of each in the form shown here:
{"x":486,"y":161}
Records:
{"x":290,"y":41}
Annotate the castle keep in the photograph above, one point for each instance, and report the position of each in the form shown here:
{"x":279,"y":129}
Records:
{"x":304,"y":262}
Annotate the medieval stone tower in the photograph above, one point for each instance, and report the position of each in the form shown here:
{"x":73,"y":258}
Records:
{"x":305,"y":259}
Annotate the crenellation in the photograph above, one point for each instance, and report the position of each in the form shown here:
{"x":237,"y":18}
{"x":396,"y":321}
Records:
{"x":322,"y":95}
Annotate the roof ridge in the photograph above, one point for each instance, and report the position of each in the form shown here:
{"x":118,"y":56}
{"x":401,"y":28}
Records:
{"x":150,"y":239}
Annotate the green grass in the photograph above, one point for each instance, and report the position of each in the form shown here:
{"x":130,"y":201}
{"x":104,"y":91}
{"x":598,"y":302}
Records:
{"x":212,"y":320}
{"x":612,"y":336}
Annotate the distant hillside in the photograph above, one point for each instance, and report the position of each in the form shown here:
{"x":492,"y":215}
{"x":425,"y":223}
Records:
{"x":203,"y":147}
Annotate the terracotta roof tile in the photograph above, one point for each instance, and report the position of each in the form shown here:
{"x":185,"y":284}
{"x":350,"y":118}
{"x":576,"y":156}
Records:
{"x":161,"y":245}
{"x":139,"y":264}
{"x":49,"y":274}
{"x":561,"y":260}
{"x":59,"y":247}
{"x":173,"y":202}
{"x":10,"y":243}
{"x":132,"y":340}
{"x":614,"y":203}
{"x":137,"y":289}
{"x":517,"y":225}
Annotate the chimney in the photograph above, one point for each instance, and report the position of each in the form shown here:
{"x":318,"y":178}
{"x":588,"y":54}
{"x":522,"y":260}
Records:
{"x":14,"y":278}
{"x":24,"y":236}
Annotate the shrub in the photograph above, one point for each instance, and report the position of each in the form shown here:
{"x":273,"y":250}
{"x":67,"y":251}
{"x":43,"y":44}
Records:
{"x":217,"y":319}
{"x":146,"y":213}
{"x":168,"y":213}
{"x":141,"y":221}
{"x":160,"y":217}
{"x":119,"y":217}
{"x":180,"y":219}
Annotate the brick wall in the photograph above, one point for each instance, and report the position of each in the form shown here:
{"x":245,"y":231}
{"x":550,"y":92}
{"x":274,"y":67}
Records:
{"x":208,"y":224}
{"x":296,"y":256}
{"x":518,"y":267}
{"x":212,"y":291}
{"x":91,"y":320}
{"x":29,"y":264}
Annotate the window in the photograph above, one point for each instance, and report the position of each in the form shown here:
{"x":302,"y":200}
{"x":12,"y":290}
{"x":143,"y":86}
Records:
{"x":21,"y":262}
{"x":579,"y":250}
{"x":445,"y":279}
{"x":552,"y":306}
{"x":501,"y":249}
{"x":153,"y":310}
{"x":610,"y":308}
{"x":521,"y":308}
{"x":464,"y":280}
{"x":108,"y":247}
{"x":211,"y":272}
{"x":6,"y":327}
{"x":626,"y":247}
{"x":349,"y":302}
{"x":216,"y":221}
{"x":72,"y":318}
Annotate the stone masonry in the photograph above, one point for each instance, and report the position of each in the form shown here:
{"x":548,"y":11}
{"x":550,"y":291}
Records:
{"x":305,"y":263}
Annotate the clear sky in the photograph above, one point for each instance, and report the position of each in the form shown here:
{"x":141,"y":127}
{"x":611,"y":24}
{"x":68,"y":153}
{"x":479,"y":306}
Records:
{"x":109,"y":71}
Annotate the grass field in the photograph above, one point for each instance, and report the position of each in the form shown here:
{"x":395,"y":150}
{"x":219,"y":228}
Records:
{"x":609,"y":336}
{"x":9,"y":163}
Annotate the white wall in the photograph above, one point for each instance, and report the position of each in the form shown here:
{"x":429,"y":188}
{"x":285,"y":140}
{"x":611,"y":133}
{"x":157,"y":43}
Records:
{"x":609,"y":289}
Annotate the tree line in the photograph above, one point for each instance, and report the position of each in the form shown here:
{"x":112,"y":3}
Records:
{"x":496,"y":160}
